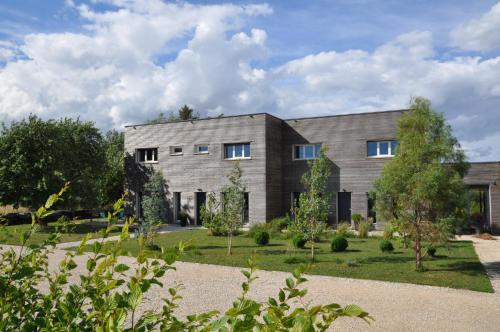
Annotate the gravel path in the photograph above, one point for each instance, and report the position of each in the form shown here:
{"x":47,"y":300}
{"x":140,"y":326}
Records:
{"x":395,"y":306}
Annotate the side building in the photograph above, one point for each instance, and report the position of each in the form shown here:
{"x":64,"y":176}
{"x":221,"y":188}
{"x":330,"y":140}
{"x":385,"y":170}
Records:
{"x":195,"y":157}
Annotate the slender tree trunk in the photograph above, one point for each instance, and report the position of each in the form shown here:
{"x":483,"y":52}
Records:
{"x":418,"y":253}
{"x":229,"y":242}
{"x":312,"y":250}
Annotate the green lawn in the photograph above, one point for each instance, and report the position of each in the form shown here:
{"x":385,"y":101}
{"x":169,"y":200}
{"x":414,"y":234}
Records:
{"x":458,"y":267}
{"x":11,"y":234}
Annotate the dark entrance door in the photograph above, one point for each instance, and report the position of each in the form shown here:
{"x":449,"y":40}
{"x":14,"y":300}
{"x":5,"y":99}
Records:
{"x":201,"y":199}
{"x":344,"y":207}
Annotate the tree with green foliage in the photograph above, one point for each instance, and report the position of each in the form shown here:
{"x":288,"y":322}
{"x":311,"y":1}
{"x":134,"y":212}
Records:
{"x":211,"y":215}
{"x":311,"y":213}
{"x":112,"y":179}
{"x":154,"y":205}
{"x":40,"y":156}
{"x":232,"y":204}
{"x":187,"y":113}
{"x":422,"y":186}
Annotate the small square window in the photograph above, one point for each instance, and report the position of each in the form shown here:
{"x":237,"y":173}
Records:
{"x":175,"y":150}
{"x":201,"y":149}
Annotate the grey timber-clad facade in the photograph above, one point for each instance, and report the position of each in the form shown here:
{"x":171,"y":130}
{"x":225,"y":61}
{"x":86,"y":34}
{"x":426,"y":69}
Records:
{"x":195,"y":157}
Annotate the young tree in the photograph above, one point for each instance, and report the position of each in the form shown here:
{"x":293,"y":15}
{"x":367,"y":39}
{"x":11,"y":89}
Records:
{"x":211,"y":215}
{"x":311,"y":214}
{"x":154,"y":205}
{"x":422,"y":186}
{"x":233,"y":201}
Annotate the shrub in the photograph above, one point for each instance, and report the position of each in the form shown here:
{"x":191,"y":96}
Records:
{"x":339,"y":243}
{"x":299,"y":241}
{"x":386,"y":246}
{"x":64,"y":224}
{"x":184,"y":218}
{"x":343,"y":229}
{"x":257,"y":228}
{"x":363,"y":229}
{"x":357,"y":218}
{"x":388,"y":232}
{"x":261,"y":238}
{"x":431,"y":251}
{"x":279,"y":224}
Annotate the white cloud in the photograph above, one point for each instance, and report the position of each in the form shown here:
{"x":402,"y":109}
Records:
{"x":481,"y":34}
{"x":127,"y":66}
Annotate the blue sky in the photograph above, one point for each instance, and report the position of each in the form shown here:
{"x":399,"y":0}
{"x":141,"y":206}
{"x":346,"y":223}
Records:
{"x":122,"y":61}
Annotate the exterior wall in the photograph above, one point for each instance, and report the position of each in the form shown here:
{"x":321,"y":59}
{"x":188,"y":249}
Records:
{"x":274,"y":171}
{"x":190,"y":172}
{"x":488,"y":174}
{"x":346,"y":137}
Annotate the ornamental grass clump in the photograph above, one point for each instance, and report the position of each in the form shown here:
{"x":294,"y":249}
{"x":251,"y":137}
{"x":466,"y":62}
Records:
{"x":363,"y":229}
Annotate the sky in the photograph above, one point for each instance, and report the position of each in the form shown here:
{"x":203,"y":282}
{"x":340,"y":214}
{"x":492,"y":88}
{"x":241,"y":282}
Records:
{"x":119,"y":62}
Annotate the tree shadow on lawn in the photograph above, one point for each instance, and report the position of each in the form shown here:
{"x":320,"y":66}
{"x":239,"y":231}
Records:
{"x":467,"y":268}
{"x":208,"y":247}
{"x":77,"y":228}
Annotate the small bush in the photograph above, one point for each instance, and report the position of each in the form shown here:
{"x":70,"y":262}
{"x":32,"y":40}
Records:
{"x":299,"y":241}
{"x":363,"y":229}
{"x":257,"y":228}
{"x":343,"y":229}
{"x":386,"y":246}
{"x":261,"y":238}
{"x":357,"y":218}
{"x":153,"y":247}
{"x":295,"y":260}
{"x":64,"y":224}
{"x":388,"y":232}
{"x":339,"y":243}
{"x":279,"y":224}
{"x":431,"y":251}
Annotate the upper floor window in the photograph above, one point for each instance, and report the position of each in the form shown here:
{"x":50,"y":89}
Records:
{"x":175,"y":150}
{"x":147,"y":155}
{"x":306,"y":151}
{"x":381,"y":148}
{"x":237,"y":151}
{"x":201,"y":149}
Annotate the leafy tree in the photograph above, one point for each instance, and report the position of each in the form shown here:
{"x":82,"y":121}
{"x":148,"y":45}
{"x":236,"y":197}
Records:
{"x":112,"y":179}
{"x":233,"y":201}
{"x":154,"y":205}
{"x":311,"y":213}
{"x":184,"y":113}
{"x":211,"y":215}
{"x":187,"y":113}
{"x":422,"y":186}
{"x":107,"y":297}
{"x":40,"y":156}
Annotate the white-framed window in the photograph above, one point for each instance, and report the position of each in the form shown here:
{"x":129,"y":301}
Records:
{"x":306,"y":151}
{"x":176,"y":150}
{"x":237,"y":151}
{"x":381,"y":148}
{"x":149,"y":155}
{"x":201,"y":149}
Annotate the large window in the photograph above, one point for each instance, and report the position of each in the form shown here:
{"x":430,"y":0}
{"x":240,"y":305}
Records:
{"x":381,"y":148}
{"x":306,"y":151}
{"x":237,"y":151}
{"x":147,"y":155}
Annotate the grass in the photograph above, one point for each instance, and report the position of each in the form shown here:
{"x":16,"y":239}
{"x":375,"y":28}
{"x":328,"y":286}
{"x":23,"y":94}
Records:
{"x":11,"y":234}
{"x":458,"y":267}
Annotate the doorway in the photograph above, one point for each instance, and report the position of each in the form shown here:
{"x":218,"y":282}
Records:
{"x":177,"y":206}
{"x":245,"y":209}
{"x":201,"y":199}
{"x":344,"y":207}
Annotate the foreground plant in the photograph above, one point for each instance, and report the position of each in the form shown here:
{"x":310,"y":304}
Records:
{"x":107,"y":296}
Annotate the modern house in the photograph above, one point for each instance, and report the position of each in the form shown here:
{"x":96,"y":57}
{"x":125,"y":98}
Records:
{"x":196,"y":155}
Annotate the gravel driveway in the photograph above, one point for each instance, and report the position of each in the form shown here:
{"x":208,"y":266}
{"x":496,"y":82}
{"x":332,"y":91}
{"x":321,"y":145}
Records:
{"x":395,"y":306}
